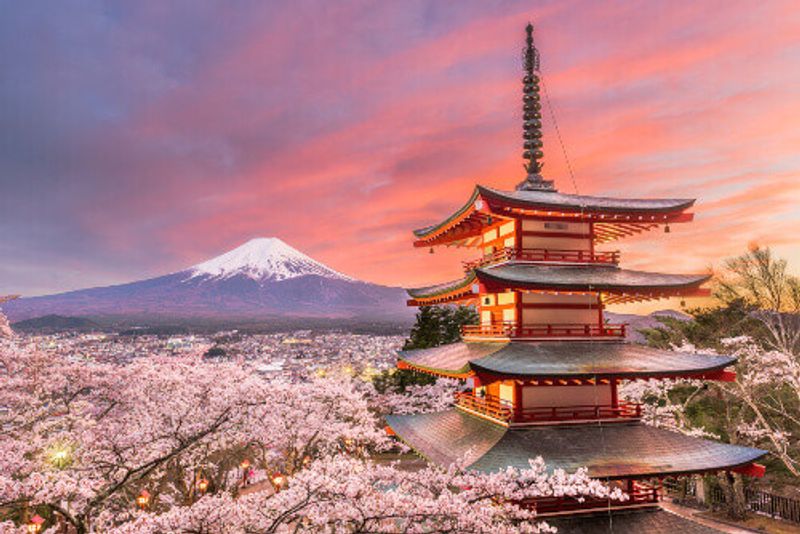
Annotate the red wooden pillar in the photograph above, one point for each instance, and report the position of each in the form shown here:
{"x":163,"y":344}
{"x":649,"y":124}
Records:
{"x":600,"y":313}
{"x":614,"y":397}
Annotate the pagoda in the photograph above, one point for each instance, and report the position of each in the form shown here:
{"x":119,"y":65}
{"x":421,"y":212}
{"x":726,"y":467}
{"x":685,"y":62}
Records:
{"x":543,"y":366}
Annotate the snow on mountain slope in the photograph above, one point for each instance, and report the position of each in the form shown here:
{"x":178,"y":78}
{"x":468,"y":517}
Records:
{"x":264,"y":259}
{"x":264,"y":277}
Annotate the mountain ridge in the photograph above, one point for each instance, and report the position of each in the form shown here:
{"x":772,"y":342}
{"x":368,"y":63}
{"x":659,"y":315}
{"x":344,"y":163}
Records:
{"x":262,"y":278}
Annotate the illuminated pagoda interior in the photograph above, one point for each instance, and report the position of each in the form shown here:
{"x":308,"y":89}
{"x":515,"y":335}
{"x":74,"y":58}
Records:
{"x":542,"y":368}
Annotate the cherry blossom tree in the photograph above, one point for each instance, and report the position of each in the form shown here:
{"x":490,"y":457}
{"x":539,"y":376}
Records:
{"x":82,"y":440}
{"x":768,"y":385}
{"x":417,"y":398}
{"x":343,"y":494}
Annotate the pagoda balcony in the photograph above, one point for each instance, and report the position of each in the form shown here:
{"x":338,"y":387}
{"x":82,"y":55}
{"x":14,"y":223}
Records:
{"x":639,"y":494}
{"x":505,"y":413}
{"x":543,"y":255}
{"x":542,"y":331}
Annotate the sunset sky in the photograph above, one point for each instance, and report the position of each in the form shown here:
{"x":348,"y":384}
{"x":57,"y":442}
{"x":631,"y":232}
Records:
{"x":139,"y":138}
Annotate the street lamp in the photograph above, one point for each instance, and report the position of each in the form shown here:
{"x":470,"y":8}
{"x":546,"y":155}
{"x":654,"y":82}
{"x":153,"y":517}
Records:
{"x":202,"y":485}
{"x":278,"y":480}
{"x":143,"y":499}
{"x":35,"y":524}
{"x":245,"y":465}
{"x":59,"y":456}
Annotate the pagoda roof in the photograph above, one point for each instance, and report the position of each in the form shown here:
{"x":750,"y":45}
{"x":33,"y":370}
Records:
{"x":486,"y":200}
{"x":613,"y":451}
{"x":606,"y":278}
{"x":562,"y":359}
{"x":553,"y":200}
{"x":650,"y":520}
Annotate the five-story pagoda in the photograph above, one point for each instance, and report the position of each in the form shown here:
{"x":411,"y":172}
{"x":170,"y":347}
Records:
{"x":543,"y":366}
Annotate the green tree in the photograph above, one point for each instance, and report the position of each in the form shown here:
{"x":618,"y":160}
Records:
{"x":439,"y":325}
{"x":707,"y":327}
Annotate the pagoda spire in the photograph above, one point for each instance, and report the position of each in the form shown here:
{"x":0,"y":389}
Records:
{"x":532,"y":119}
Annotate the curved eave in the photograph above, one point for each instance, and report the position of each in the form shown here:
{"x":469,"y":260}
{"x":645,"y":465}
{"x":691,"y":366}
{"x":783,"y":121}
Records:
{"x":584,"y":360}
{"x":538,"y":200}
{"x":468,"y":221}
{"x":609,"y":451}
{"x":456,"y":217}
{"x":461,"y":373}
{"x":446,"y":292}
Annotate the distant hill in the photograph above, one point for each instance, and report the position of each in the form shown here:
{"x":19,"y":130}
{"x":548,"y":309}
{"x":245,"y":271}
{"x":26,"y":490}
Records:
{"x":55,"y":323}
{"x":640,"y":322}
{"x":260,"y":280}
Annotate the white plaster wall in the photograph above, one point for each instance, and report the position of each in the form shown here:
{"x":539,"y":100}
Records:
{"x":545,"y":316}
{"x":534,"y":396}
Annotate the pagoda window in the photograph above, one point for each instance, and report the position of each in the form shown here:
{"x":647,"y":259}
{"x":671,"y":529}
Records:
{"x":504,"y":299}
{"x":507,"y":228}
{"x":506,"y":394}
{"x":500,"y":237}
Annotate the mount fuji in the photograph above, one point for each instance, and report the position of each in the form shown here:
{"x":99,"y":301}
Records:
{"x":263,"y":278}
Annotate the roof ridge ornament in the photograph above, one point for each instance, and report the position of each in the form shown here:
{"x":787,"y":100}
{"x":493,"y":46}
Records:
{"x":532,"y":119}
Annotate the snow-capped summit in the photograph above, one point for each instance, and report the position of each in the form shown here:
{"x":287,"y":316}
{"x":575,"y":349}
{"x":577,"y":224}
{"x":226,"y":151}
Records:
{"x":265,"y":259}
{"x":262,"y":280}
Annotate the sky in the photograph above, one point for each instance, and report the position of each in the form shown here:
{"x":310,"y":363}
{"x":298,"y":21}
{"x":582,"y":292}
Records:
{"x":139,"y":138}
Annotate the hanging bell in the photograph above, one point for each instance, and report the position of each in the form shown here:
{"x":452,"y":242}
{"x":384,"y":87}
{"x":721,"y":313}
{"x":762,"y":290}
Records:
{"x":489,"y":220}
{"x":431,"y":251}
{"x":666,"y":229}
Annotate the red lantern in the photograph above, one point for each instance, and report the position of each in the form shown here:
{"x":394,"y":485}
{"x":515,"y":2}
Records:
{"x":35,"y":524}
{"x":143,"y":500}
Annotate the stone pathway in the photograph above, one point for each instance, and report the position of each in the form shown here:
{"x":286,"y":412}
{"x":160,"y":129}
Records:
{"x":692,"y":514}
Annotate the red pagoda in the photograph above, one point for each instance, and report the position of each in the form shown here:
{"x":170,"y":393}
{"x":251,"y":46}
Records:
{"x":543,"y":366}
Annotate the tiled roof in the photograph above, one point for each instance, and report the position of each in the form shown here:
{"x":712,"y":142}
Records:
{"x":649,"y":521}
{"x":576,"y":359}
{"x":572,"y":277}
{"x":544,"y":200}
{"x":550,"y":199}
{"x":444,"y":287}
{"x":614,"y":450}
{"x":530,"y":275}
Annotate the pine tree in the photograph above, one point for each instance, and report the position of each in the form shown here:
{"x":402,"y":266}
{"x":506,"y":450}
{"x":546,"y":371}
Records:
{"x":439,"y":325}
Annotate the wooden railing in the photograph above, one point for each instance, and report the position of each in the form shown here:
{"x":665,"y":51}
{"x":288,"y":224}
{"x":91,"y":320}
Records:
{"x":513,"y":330}
{"x":488,"y":405}
{"x":640,"y":494}
{"x":626,"y":410}
{"x":543,"y":255}
{"x":494,"y":408}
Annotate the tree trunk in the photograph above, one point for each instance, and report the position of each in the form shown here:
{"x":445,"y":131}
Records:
{"x":735,"y":503}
